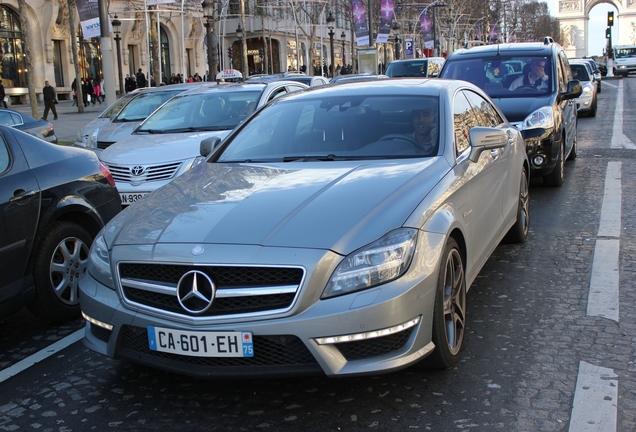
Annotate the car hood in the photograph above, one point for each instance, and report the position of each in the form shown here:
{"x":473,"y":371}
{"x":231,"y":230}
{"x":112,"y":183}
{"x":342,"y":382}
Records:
{"x":517,"y":109}
{"x":156,"y":148}
{"x":116,"y":131}
{"x":339,"y":206}
{"x":95,"y":124}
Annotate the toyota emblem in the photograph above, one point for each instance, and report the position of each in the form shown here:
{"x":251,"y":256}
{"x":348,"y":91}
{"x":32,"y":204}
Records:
{"x":195,"y":292}
{"x":137,"y":170}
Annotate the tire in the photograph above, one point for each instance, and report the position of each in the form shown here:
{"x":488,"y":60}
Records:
{"x":60,"y":261}
{"x":575,"y":146}
{"x":518,"y":233}
{"x":555,"y":178}
{"x":449,"y":315}
{"x":592,"y":112}
{"x":599,"y":87}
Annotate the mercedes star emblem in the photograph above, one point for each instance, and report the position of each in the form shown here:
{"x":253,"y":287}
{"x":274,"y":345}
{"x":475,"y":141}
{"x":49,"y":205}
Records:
{"x":195,"y":292}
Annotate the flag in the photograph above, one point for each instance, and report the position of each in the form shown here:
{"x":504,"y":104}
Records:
{"x":386,"y":19}
{"x":360,"y":23}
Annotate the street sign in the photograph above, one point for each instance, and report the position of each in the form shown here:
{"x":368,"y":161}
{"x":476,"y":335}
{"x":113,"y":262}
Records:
{"x":408,"y":46}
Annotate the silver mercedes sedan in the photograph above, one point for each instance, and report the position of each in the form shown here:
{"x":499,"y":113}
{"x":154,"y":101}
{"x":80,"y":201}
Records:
{"x":337,"y":231}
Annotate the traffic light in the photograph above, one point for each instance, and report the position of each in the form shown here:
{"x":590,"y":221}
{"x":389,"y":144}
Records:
{"x":608,"y":33}
{"x":229,"y":52}
{"x":610,"y":18}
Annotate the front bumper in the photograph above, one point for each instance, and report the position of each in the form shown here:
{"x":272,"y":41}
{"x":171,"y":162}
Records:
{"x":286,"y":342}
{"x":540,"y":148}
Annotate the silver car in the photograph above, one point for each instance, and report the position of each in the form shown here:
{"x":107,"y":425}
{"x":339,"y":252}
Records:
{"x":117,"y":122}
{"x":586,"y":103}
{"x":167,"y":143}
{"x":335,"y":231}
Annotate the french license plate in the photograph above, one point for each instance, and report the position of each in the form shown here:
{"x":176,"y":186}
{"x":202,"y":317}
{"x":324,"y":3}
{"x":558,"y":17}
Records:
{"x":129,"y":198}
{"x":201,"y":344}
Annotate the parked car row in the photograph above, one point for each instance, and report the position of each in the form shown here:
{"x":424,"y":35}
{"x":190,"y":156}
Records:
{"x":251,"y":244}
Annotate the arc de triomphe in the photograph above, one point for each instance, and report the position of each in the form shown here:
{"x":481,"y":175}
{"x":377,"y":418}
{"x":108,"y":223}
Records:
{"x":573,"y":17}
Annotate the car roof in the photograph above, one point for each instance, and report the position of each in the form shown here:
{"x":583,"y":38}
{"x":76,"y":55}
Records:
{"x":518,"y":48}
{"x":244,"y":86}
{"x":417,"y":59}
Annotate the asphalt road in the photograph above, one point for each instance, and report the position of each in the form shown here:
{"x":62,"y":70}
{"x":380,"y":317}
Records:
{"x":536,"y":358}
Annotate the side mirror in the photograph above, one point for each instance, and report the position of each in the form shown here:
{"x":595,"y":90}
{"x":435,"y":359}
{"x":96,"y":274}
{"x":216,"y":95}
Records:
{"x":485,"y":138}
{"x":208,"y":146}
{"x":574,"y":90}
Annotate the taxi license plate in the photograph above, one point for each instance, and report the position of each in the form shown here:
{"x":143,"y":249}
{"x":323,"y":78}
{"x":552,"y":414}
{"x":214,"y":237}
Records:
{"x":129,"y":198}
{"x":201,"y":344}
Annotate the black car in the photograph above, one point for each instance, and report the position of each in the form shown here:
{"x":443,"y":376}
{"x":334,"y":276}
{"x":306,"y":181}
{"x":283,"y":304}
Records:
{"x":53,"y":202}
{"x":39,"y":128}
{"x":539,"y":102}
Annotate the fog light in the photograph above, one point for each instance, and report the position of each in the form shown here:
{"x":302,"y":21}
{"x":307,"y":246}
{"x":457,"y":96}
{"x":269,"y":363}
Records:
{"x":538,"y":160}
{"x":96,"y":322}
{"x":368,"y":335}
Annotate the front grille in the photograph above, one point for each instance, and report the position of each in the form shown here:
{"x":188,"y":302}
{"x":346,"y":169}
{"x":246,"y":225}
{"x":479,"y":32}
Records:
{"x":143,"y":173}
{"x":104,"y":144}
{"x":284,"y":354}
{"x":155,"y":286}
{"x":374,"y":347}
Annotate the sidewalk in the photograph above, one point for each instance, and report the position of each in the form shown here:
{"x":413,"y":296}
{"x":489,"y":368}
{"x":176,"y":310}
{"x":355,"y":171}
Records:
{"x":69,"y":119}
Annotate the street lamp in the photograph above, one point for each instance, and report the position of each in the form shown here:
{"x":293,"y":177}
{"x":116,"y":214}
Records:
{"x":343,"y":36}
{"x":396,"y":35}
{"x":330,"y":21}
{"x":239,"y":35}
{"x":116,"y":26}
{"x":208,"y":13}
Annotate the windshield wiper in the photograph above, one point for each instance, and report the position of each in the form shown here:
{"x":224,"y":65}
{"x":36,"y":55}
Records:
{"x":329,"y":157}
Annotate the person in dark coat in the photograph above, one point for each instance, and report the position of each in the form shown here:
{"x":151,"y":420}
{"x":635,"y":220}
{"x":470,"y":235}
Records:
{"x":50,"y":98}
{"x":130,"y":84}
{"x":141,"y":79}
{"x":2,"y":94}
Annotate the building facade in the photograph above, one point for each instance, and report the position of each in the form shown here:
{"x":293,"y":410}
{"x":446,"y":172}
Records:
{"x":183,"y":43}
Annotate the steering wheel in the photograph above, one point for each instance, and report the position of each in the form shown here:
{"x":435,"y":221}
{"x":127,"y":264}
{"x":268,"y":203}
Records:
{"x":525,"y":87}
{"x":407,"y":138}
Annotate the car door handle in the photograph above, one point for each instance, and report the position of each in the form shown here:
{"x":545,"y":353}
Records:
{"x":21,"y":195}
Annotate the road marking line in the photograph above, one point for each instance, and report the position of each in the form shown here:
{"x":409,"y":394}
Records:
{"x":595,"y":400}
{"x":619,"y":140}
{"x":41,"y":355}
{"x":602,"y":299}
{"x":610,"y":224}
{"x":605,"y":83}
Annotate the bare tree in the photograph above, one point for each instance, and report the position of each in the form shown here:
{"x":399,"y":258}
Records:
{"x":26,"y":35}
{"x":78,"y":77}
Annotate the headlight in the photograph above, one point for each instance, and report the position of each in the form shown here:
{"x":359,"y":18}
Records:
{"x":380,"y":262}
{"x":587,"y":90}
{"x":541,"y":118}
{"x":99,"y":262}
{"x":92,"y":140}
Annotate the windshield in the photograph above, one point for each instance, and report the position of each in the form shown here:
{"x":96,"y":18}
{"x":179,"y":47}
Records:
{"x":339,"y":128}
{"x":116,"y":107}
{"x":502,"y":76}
{"x":144,"y":104}
{"x":414,"y":68}
{"x":204,"y":111}
{"x":580,"y":72}
{"x":625,"y":52}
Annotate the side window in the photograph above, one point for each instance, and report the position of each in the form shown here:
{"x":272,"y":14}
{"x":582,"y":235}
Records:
{"x":564,"y":73}
{"x":294,"y":88}
{"x":5,"y":118}
{"x":486,"y":111}
{"x":464,"y":119}
{"x":4,"y":156}
{"x":277,"y":93}
{"x":17,"y":119}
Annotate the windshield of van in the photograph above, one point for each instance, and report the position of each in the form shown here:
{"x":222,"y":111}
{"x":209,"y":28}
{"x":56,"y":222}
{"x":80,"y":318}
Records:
{"x":502,"y":77}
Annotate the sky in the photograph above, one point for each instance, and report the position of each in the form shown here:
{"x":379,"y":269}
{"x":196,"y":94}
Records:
{"x":596,"y":26}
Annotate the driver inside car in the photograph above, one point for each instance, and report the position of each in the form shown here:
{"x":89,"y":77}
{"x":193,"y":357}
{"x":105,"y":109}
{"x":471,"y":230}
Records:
{"x":425,"y":129}
{"x":535,"y":76}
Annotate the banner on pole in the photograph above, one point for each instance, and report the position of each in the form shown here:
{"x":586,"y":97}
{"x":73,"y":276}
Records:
{"x":427,"y":31}
{"x":387,"y":10}
{"x":88,"y":11}
{"x":360,"y":23}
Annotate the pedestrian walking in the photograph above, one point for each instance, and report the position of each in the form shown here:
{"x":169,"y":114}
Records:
{"x":97,"y":93}
{"x":74,"y":89}
{"x":50,"y":99}
{"x":141,"y":79}
{"x":3,"y":94}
